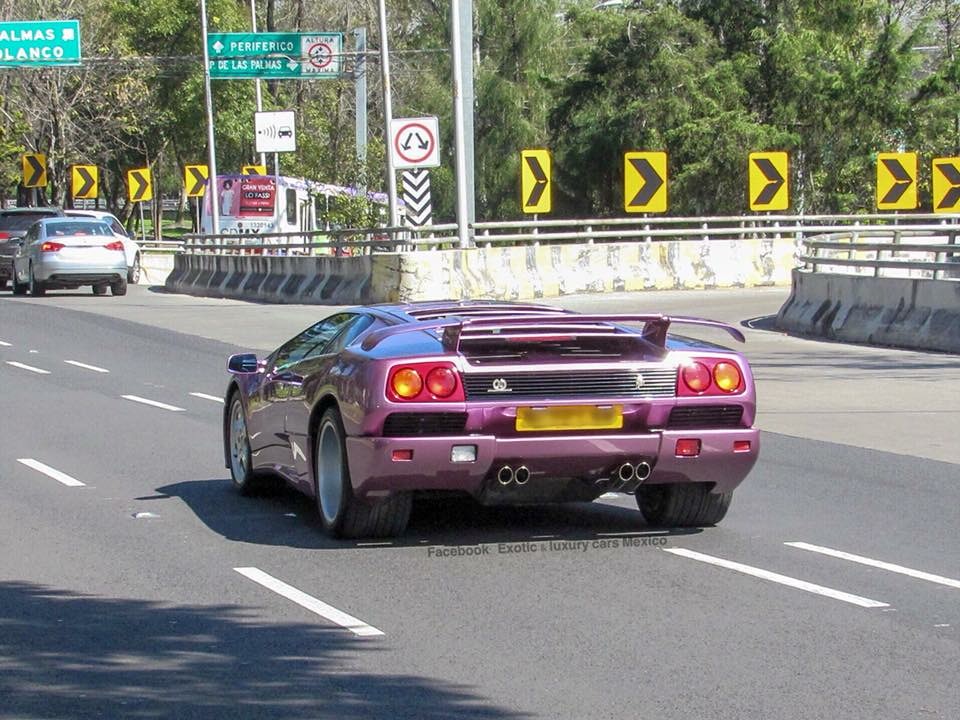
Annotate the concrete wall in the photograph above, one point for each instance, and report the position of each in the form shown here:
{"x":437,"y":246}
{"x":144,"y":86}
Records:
{"x":155,"y":266}
{"x":901,"y":312}
{"x":517,"y":272}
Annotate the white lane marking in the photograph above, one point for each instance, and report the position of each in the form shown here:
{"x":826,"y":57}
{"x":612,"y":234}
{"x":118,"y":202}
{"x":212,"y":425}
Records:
{"x":5,"y":344}
{"x":777,"y":578}
{"x":50,"y":472}
{"x":153,"y":403}
{"x":338,"y":617}
{"x":910,"y":572}
{"x":204,"y":396}
{"x":94,"y":368}
{"x":31,"y":368}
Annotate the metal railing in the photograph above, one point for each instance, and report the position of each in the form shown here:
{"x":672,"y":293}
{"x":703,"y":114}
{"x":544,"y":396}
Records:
{"x":922,"y":251}
{"x":548,"y":231}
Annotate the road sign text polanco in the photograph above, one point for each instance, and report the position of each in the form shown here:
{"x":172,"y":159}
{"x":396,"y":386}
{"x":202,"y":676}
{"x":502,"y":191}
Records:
{"x":281,"y":55}
{"x":39,"y":43}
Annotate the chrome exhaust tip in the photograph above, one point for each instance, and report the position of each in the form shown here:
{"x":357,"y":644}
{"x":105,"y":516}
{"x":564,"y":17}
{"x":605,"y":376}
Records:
{"x":505,"y":475}
{"x":522,"y":475}
{"x":625,"y":472}
{"x":643,"y":470}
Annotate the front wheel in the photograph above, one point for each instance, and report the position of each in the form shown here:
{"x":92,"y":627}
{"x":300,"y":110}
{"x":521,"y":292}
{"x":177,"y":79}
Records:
{"x":682,"y":505}
{"x":241,"y":462}
{"x":342,"y":513}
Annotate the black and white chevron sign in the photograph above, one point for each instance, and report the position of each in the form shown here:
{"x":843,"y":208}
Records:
{"x":416,"y":197}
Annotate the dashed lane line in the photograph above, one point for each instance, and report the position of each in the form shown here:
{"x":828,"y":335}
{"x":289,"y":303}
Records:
{"x":778,"y":578}
{"x":890,"y":567}
{"x":5,"y":344}
{"x":50,"y":472}
{"x":152,"y":403}
{"x":204,"y":396}
{"x":84,"y":366}
{"x":31,"y":368}
{"x":328,"y":612}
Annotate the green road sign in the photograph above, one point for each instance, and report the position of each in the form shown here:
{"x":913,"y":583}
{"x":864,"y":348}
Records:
{"x":297,"y":56}
{"x":39,"y":43}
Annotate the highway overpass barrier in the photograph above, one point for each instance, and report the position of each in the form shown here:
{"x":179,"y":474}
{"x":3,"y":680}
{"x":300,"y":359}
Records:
{"x":508,"y":260}
{"x":895,"y":287}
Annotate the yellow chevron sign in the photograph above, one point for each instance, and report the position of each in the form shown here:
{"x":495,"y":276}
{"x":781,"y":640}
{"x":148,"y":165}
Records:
{"x":253,"y":170}
{"x":139,"y":185}
{"x":897,"y":181}
{"x":536,"y":183}
{"x":645,"y":182}
{"x":768,"y":180}
{"x":34,"y":167}
{"x":84,"y":182}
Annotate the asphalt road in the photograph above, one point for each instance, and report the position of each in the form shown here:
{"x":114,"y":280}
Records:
{"x":153,"y":590}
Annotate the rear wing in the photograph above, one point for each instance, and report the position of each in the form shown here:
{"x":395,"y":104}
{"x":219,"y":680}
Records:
{"x":458,"y":330}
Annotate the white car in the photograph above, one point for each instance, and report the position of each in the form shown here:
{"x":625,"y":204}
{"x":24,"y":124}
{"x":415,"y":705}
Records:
{"x":130,"y":248}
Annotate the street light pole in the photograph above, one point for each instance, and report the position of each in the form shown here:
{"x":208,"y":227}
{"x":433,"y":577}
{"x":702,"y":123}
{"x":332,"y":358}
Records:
{"x":463,"y":219}
{"x":211,"y":147}
{"x":388,"y":116}
{"x":259,"y":92}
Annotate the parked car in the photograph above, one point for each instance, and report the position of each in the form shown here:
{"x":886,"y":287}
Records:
{"x":13,"y":225}
{"x":131,"y":248}
{"x":511,"y":403}
{"x":58,"y":253}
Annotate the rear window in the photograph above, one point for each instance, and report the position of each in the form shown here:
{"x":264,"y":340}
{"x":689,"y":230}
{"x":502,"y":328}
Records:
{"x":81,"y":227}
{"x":21,"y":220}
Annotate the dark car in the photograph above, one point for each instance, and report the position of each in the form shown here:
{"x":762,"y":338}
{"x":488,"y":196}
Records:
{"x":507,"y":402}
{"x":14,"y":224}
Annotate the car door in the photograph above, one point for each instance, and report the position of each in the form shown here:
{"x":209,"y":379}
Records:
{"x":282,"y":386}
{"x":21,"y":259}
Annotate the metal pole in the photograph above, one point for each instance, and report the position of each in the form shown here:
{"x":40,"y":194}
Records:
{"x":467,"y":101}
{"x":211,"y":147}
{"x":253,"y":27}
{"x":388,"y":116}
{"x":360,"y":84}
{"x":463,"y":221}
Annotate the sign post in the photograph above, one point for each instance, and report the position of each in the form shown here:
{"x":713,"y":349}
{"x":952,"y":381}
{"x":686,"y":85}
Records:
{"x":40,"y":43}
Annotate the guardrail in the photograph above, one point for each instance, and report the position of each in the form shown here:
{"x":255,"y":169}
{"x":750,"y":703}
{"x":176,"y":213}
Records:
{"x":886,"y":249}
{"x":356,"y":241}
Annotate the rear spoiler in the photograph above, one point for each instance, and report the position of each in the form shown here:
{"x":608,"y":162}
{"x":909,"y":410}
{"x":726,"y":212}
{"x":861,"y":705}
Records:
{"x":456,"y":330}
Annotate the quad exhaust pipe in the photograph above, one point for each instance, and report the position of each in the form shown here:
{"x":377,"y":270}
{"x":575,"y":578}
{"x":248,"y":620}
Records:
{"x":507,"y":475}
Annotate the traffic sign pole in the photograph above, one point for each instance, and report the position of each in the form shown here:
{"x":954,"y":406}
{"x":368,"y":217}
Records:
{"x":211,"y":147}
{"x":256,"y":85}
{"x":463,"y":221}
{"x":388,"y":116}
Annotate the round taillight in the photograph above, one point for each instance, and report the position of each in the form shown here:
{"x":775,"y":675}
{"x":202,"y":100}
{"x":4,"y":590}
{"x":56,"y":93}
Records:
{"x":727,"y":376}
{"x":696,"y":376}
{"x":441,"y":381}
{"x":406,"y":383}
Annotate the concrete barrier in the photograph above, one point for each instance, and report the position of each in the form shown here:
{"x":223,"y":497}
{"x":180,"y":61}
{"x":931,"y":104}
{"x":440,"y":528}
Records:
{"x":508,"y":273}
{"x":155,"y":266}
{"x":901,"y":312}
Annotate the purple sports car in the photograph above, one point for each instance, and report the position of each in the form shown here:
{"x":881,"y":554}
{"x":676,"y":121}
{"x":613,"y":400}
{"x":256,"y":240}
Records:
{"x":511,"y":403}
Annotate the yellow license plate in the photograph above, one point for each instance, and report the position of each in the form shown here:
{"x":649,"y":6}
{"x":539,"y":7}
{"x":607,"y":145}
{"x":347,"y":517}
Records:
{"x":570,"y":417}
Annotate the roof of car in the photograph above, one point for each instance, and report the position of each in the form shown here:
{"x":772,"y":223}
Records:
{"x":99,"y":214}
{"x":52,"y":211}
{"x":72,"y":220}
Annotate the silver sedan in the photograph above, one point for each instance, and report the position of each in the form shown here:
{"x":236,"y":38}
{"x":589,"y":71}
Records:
{"x":67,"y":253}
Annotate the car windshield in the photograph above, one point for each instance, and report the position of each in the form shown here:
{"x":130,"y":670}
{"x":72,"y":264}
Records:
{"x":20,"y":220}
{"x":80,"y":227}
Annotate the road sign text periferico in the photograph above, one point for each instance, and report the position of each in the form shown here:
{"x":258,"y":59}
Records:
{"x":276,"y":56}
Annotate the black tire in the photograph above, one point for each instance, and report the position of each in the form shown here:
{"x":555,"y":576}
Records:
{"x":347,"y":516}
{"x":133,"y":274}
{"x":682,"y":505}
{"x":3,"y":284}
{"x":37,"y":288}
{"x":119,"y":287}
{"x":238,"y":449}
{"x":99,"y":289}
{"x":18,"y":287}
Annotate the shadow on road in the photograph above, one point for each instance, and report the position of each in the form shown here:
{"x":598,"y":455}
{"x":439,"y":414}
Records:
{"x":65,"y":655}
{"x":284,"y":517}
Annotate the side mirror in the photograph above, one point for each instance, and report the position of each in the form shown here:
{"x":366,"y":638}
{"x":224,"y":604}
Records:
{"x":243,"y":363}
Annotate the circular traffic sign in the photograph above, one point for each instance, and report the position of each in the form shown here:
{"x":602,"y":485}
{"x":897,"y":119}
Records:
{"x":320,"y":54}
{"x":414,"y":143}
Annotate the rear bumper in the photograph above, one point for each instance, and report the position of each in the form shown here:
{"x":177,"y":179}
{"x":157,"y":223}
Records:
{"x":71,"y":273}
{"x":589,"y":459}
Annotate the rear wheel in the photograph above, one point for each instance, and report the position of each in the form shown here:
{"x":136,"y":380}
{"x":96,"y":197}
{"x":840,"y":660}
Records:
{"x":37,"y":288}
{"x":19,"y":288}
{"x":99,"y":289}
{"x":343,"y":514}
{"x":682,"y":505}
{"x":3,"y":284}
{"x":119,"y":287}
{"x":133,"y":274}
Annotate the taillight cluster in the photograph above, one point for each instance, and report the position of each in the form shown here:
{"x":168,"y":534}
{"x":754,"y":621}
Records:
{"x":51,"y":247}
{"x":710,"y":376}
{"x":425,"y":382}
{"x":115,"y":245}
